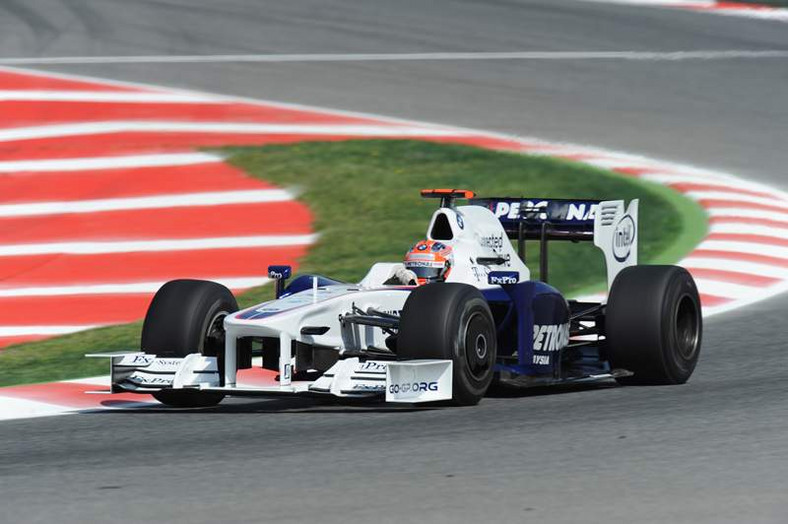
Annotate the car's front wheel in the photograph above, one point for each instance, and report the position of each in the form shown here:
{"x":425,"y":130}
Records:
{"x":451,"y":321}
{"x":187,"y":316}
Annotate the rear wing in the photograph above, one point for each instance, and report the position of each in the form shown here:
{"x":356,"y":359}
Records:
{"x":607,"y":223}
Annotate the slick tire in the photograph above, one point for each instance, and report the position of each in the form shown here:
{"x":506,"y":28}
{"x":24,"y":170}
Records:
{"x":451,"y":321}
{"x":186,"y":316}
{"x":654,"y":325}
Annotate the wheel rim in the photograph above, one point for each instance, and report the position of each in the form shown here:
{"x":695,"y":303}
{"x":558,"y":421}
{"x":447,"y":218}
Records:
{"x":213,"y":341}
{"x":481,"y":346}
{"x":687,"y":327}
{"x":477,"y":341}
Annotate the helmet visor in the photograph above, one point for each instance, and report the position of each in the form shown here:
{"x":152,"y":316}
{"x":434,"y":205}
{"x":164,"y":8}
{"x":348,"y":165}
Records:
{"x":427,"y":273}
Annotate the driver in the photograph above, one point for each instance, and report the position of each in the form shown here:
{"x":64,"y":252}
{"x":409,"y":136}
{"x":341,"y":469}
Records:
{"x":427,"y":262}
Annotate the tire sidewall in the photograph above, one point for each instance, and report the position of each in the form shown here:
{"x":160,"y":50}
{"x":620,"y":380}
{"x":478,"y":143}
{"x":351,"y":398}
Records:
{"x":471,"y":388}
{"x":678,"y":367}
{"x":215,"y":312}
{"x":179,"y":315}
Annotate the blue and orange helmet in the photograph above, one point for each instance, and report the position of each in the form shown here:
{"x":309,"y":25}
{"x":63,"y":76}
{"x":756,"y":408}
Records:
{"x":430,"y":260}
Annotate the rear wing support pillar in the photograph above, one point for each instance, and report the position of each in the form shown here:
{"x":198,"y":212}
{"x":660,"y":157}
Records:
{"x":521,"y":240}
{"x":543,"y":262}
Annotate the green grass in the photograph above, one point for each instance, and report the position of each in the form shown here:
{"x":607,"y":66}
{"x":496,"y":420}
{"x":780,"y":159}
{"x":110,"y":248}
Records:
{"x":364,"y":195}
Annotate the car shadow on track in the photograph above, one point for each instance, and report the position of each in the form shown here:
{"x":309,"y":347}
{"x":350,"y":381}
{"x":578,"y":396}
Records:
{"x":347,"y":406}
{"x":507,"y":391}
{"x":271,"y":406}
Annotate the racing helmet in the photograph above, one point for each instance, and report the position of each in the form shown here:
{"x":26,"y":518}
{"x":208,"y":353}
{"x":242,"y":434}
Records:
{"x":430,"y":260}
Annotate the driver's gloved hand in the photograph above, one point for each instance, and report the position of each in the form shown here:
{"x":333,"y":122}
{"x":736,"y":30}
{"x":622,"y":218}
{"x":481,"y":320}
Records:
{"x":402,"y":277}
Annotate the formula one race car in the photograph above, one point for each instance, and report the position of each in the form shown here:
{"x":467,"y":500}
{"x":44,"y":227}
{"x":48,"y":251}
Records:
{"x":459,"y":313}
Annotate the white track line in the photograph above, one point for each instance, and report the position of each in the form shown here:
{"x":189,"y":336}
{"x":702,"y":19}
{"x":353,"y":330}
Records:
{"x":597,"y":159}
{"x":399,"y":57}
{"x":23,"y":331}
{"x":101,"y":380}
{"x":692,"y":178}
{"x":743,"y":302}
{"x":18,"y":408}
{"x":745,"y":248}
{"x":215,"y":198}
{"x":780,"y":15}
{"x":98,"y":128}
{"x":612,"y":162}
{"x":725,"y":289}
{"x":723,"y":183}
{"x":127,"y":288}
{"x":735,"y":212}
{"x":750,"y":229}
{"x":105,"y":96}
{"x":710,"y":6}
{"x":147,"y":246}
{"x":736,"y":266}
{"x":665,"y":3}
{"x":109,"y":162}
{"x":668,"y":3}
{"x":740,"y":197}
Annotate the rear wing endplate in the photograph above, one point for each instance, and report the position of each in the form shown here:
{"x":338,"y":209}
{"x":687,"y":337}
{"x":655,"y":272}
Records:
{"x":616,"y":234}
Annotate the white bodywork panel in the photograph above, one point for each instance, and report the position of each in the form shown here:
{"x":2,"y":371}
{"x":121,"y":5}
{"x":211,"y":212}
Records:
{"x":285,"y":318}
{"x":419,"y":381}
{"x":475,"y":234}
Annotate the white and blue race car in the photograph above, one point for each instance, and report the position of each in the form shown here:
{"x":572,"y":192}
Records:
{"x":385,"y":337}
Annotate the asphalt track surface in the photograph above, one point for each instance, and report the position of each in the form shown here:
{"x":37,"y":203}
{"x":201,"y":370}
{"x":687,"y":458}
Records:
{"x":714,"y":450}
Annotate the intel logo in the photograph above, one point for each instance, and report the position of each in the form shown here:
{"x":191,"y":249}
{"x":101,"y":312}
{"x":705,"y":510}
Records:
{"x":623,"y":238}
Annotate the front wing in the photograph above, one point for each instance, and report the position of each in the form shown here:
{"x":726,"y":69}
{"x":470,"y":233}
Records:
{"x":411,"y":381}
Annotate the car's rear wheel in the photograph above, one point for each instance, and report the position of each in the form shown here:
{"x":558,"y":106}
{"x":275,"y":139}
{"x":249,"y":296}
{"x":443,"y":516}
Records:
{"x":654,"y":325}
{"x":187,"y":316}
{"x":451,"y":321}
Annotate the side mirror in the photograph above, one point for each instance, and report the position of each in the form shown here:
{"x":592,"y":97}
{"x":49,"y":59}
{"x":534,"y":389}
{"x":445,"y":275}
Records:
{"x":280,"y":274}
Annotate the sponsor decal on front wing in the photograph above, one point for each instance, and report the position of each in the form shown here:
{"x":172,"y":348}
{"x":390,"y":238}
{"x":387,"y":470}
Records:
{"x":369,"y":387}
{"x":412,"y":387}
{"x":371,"y":367}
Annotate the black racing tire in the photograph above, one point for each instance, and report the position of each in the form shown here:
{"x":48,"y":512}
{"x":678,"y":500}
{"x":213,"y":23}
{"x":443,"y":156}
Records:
{"x":186,"y":316}
{"x":654,"y":325}
{"x":451,"y":321}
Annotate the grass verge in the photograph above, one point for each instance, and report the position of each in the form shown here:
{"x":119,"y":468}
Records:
{"x":364,"y":195}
